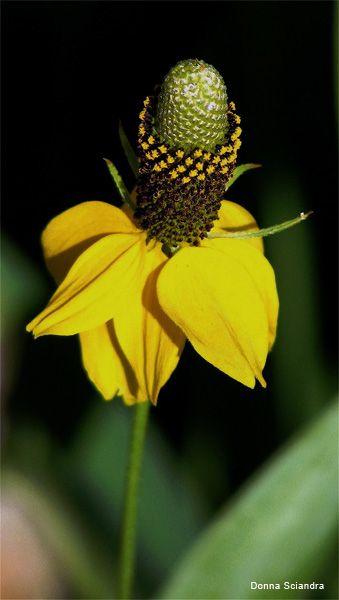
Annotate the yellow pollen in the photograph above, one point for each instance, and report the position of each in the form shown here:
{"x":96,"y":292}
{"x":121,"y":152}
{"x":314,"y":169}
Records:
{"x":142,"y":129}
{"x":237,"y":119}
{"x":210,"y":169}
{"x":151,"y":139}
{"x":198,"y":153}
{"x":145,"y":145}
{"x":193,"y":173}
{"x":223,"y":162}
{"x":156,"y":168}
{"x":199,"y":166}
{"x":186,"y":179}
{"x":142,"y":114}
{"x":237,"y":144}
{"x":149,"y":155}
{"x":189,"y":161}
{"x":146,"y":102}
{"x":224,"y":170}
{"x":155,"y":153}
{"x":216,"y":160}
{"x":231,"y":105}
{"x":170,"y":159}
{"x":163,"y":164}
{"x":236,"y":134}
{"x":181,"y":168}
{"x":223,"y":149}
{"x":201,"y":176}
{"x":207,"y":156}
{"x":180,"y":153}
{"x":173,"y":174}
{"x":163,"y":149}
{"x":231,"y":157}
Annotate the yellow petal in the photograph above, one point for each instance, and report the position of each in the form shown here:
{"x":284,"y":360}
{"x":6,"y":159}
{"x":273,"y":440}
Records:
{"x":96,"y":286}
{"x":234,"y":217}
{"x":68,"y":235}
{"x":150,"y":341}
{"x":216,"y":298}
{"x":106,"y":364}
{"x":261,"y":270}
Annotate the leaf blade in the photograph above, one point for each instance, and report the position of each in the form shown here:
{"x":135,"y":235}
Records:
{"x":275,"y":530}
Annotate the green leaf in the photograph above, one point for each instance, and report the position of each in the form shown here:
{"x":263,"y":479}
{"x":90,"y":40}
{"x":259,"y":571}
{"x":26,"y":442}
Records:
{"x":278,"y":529}
{"x":239,"y":171}
{"x":121,"y":187}
{"x":130,"y":154}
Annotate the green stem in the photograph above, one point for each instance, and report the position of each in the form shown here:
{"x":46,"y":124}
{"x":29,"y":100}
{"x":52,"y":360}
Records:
{"x":128,"y":538}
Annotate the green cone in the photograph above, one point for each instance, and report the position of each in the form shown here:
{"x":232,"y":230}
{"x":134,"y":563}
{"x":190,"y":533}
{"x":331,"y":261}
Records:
{"x":192,"y":107}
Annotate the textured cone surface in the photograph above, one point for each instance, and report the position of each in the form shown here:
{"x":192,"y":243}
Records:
{"x":192,"y":107}
{"x":188,"y":144}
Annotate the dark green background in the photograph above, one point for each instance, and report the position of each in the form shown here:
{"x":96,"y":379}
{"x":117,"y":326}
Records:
{"x":71,"y":70}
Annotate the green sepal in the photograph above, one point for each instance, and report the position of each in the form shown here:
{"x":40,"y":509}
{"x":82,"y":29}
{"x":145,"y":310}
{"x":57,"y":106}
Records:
{"x":170,"y":250}
{"x":120,"y":185}
{"x":130,"y":154}
{"x":239,"y":171}
{"x":261,"y":232}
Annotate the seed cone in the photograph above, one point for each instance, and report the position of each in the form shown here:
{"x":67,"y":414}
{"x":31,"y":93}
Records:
{"x":188,"y":143}
{"x":192,"y":107}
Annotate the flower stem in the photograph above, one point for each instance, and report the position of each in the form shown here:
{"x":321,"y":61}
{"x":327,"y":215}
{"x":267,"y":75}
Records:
{"x":128,"y":538}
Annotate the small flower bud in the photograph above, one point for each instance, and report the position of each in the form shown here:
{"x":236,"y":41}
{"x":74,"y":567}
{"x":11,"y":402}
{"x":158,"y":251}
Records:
{"x":192,"y":107}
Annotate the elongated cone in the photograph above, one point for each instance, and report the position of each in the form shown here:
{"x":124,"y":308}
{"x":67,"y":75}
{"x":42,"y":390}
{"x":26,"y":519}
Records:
{"x":192,"y":106}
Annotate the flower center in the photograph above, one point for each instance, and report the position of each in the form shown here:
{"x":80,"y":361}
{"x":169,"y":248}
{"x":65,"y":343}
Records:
{"x":186,"y":157}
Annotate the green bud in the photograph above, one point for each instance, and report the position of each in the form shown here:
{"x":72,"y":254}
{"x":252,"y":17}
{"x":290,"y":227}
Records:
{"x":192,"y":107}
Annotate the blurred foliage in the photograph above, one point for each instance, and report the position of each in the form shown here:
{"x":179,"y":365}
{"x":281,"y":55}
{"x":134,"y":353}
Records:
{"x":67,"y":82}
{"x":282,"y":525}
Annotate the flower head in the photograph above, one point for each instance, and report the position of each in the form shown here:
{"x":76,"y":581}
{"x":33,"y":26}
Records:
{"x":188,"y":143}
{"x":135,"y":286}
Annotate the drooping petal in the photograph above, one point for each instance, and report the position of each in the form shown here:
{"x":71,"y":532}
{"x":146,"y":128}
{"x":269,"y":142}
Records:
{"x":233,"y":217}
{"x":216,"y":298}
{"x":264,"y":276}
{"x":96,"y":287}
{"x":149,"y":339}
{"x":106,"y":364}
{"x":68,"y":235}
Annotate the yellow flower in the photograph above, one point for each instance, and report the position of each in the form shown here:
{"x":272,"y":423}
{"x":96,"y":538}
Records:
{"x":135,"y":284}
{"x":134,"y":307}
